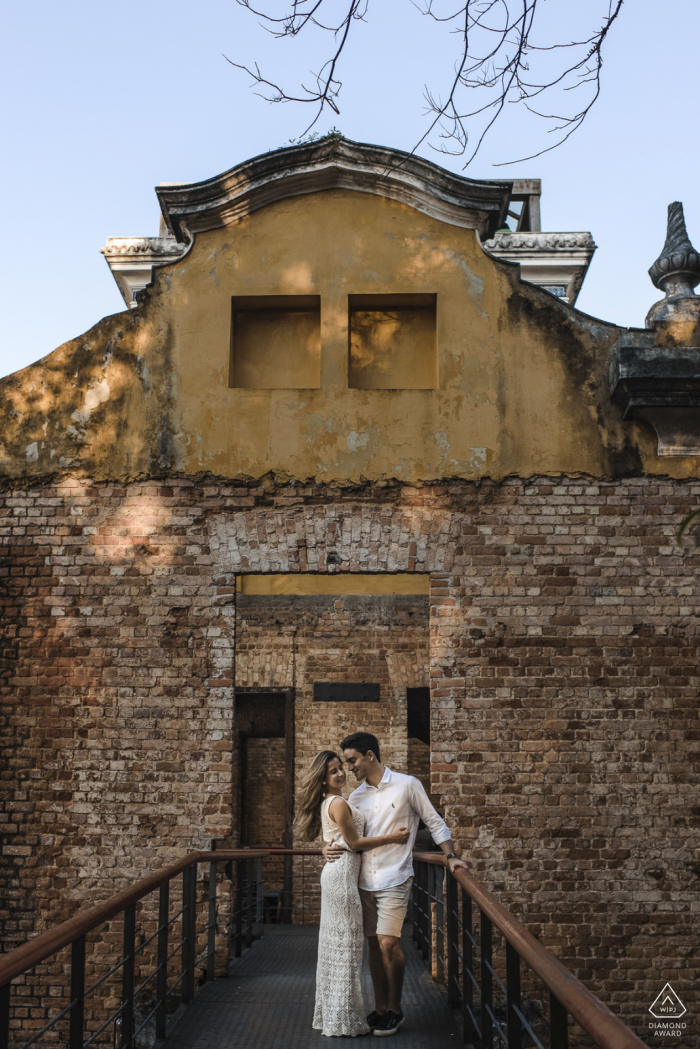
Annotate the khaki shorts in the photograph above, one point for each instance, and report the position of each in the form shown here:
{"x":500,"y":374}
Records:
{"x":384,"y":910}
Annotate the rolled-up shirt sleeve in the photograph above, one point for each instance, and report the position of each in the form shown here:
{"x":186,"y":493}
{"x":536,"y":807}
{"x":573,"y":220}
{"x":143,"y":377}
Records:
{"x":439,"y":831}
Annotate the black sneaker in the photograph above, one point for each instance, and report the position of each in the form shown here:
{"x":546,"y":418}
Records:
{"x":389,"y":1024}
{"x":374,"y":1019}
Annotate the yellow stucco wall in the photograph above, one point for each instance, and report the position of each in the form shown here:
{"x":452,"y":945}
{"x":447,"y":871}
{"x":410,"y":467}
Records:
{"x":522,"y":378}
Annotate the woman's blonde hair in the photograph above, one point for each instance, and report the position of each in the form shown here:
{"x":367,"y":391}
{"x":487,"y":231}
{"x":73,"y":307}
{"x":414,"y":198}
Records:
{"x":310,"y":796}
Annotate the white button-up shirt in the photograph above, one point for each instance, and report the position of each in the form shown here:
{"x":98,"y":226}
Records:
{"x":398,"y":801}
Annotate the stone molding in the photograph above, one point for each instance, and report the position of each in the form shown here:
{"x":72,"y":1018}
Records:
{"x":540,"y":242}
{"x":154,"y":247}
{"x":132,"y":260}
{"x":547,"y":259}
{"x":334,"y":163}
{"x":661,"y":386}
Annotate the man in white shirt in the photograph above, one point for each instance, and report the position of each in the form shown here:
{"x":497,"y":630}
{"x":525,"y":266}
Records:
{"x":388,"y":800}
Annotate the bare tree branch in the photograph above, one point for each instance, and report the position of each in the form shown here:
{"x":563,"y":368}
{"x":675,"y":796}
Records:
{"x":496,"y":50}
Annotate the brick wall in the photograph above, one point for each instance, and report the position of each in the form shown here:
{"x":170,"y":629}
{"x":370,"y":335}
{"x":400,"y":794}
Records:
{"x":564,"y":675}
{"x":419,"y":763}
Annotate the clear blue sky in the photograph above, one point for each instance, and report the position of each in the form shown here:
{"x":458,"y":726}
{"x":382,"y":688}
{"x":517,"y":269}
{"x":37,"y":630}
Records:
{"x":104,"y":101}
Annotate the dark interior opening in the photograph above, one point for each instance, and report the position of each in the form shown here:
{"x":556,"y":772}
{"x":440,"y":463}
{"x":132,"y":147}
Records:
{"x":264,"y":744}
{"x":418,"y":703}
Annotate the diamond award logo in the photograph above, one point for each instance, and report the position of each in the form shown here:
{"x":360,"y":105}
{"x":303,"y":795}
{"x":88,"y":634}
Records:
{"x":667,"y":1005}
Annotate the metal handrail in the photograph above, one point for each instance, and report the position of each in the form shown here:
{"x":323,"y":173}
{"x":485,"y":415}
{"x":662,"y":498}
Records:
{"x":608,"y":1031}
{"x":18,"y":960}
{"x":280,"y":852}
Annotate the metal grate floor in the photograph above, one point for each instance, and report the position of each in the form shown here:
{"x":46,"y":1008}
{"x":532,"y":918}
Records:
{"x":268,"y":1001}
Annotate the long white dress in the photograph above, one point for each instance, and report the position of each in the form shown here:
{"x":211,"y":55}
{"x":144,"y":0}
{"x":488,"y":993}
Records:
{"x":340,"y":1009}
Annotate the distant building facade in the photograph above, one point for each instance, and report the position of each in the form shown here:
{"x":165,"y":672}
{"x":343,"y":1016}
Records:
{"x":341,"y":467}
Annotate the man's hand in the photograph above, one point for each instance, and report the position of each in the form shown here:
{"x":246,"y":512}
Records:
{"x":454,"y":863}
{"x":332,"y":852}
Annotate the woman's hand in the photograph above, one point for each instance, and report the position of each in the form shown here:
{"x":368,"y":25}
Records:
{"x":401,"y":837}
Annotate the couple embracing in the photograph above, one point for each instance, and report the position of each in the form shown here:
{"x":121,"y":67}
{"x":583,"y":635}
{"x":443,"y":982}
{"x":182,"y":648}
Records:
{"x":366,"y":882}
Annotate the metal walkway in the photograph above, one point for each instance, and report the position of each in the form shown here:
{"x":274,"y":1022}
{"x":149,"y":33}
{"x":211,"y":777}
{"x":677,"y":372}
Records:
{"x":268,"y":1002}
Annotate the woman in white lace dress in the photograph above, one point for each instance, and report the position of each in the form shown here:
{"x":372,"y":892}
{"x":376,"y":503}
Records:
{"x":339,"y":1008}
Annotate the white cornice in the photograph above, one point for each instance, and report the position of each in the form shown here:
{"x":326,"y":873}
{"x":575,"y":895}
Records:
{"x":148,"y":249}
{"x":513,"y":244}
{"x":550,"y":260}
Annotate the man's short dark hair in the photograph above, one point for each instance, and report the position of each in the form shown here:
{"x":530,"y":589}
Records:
{"x":362,"y":742}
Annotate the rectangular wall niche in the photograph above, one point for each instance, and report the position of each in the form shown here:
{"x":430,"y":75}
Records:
{"x":345,"y":692}
{"x":275,"y":342}
{"x":393,"y":342}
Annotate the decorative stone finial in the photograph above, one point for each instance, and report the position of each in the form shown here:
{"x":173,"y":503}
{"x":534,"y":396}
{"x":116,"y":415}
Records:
{"x":655,"y":373}
{"x":677,"y":269}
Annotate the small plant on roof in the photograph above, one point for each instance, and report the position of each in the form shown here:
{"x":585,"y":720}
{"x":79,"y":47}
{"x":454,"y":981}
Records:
{"x":315,"y":136}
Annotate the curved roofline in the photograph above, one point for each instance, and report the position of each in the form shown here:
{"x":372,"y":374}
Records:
{"x":334,"y":163}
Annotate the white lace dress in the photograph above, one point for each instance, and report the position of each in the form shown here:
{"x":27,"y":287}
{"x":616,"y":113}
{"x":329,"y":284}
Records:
{"x":340,"y":1009}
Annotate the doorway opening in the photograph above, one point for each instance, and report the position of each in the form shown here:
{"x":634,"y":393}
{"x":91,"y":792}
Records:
{"x":264,"y":763}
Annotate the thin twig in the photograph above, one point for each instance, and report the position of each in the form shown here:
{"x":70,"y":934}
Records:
{"x":497,"y":48}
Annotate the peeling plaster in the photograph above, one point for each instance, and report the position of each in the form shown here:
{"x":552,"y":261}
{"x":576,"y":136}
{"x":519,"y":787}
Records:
{"x":443,"y":442}
{"x":478,"y":459}
{"x":354,"y":441}
{"x":96,"y":394}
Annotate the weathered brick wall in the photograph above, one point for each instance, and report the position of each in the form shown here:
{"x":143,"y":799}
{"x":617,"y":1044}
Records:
{"x":419,"y":763}
{"x":262,"y":812}
{"x":263,"y":819}
{"x":565,"y":715}
{"x":564,"y":674}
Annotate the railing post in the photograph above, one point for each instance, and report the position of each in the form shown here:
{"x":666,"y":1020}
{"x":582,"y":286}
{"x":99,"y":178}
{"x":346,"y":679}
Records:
{"x":558,"y":1024}
{"x":287,"y":883}
{"x":192,"y":939}
{"x":162,"y":975}
{"x":250,"y":901}
{"x":211,"y":923}
{"x":260,"y":899}
{"x":77,"y":994}
{"x":425,"y":921}
{"x":440,"y":923}
{"x":486,"y":983}
{"x":5,"y":992}
{"x":468,"y":1031}
{"x":513,"y":996}
{"x":429,"y":914}
{"x":452,"y":902}
{"x":188,"y":932}
{"x":417,"y":892}
{"x":238,"y":938}
{"x":127,"y":978}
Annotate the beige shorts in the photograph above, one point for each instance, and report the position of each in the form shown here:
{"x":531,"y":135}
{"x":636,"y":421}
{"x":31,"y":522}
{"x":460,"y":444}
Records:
{"x":384,"y":910}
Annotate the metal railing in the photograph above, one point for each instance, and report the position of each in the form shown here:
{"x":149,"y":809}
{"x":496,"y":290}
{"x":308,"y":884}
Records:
{"x":450,"y":943}
{"x":457,"y":940}
{"x":246,"y":924}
